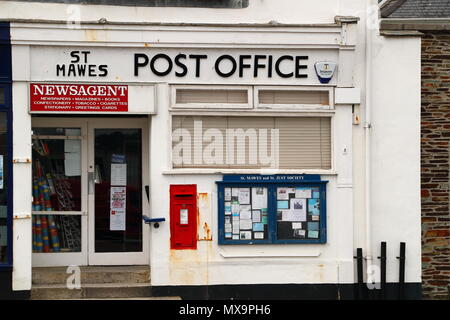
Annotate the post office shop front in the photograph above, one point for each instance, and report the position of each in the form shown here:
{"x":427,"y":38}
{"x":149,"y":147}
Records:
{"x":215,"y":155}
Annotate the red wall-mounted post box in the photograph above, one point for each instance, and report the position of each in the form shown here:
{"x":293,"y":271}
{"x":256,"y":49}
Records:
{"x":183,"y":216}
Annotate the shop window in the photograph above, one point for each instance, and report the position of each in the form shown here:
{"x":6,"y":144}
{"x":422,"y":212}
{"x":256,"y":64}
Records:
{"x":56,"y":233}
{"x":251,"y":142}
{"x":267,"y":209}
{"x":212,"y":97}
{"x":56,"y":190}
{"x":293,"y":98}
{"x":4,"y":185}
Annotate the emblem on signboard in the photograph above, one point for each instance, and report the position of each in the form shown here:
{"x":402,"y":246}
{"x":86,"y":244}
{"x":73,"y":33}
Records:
{"x":325,"y":70}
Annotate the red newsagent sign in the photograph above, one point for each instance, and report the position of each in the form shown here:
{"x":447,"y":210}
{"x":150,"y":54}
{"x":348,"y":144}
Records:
{"x":78,"y":97}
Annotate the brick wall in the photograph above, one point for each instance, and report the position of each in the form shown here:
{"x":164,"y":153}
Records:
{"x":435,"y":165}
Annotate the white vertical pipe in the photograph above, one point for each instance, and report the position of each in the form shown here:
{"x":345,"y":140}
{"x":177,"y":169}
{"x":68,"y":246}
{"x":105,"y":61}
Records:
{"x":367,"y":134}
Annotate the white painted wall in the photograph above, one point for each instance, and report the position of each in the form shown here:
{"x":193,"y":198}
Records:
{"x":395,"y":198}
{"x":22,"y":236}
{"x":396,"y":152}
{"x":218,"y":264}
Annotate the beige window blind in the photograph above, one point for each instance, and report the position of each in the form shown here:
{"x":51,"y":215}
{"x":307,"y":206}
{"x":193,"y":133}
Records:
{"x":211,"y":96}
{"x":293,"y":97}
{"x":251,"y":142}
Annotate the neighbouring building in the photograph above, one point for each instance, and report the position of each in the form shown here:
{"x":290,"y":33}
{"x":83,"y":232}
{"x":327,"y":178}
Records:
{"x":241,"y":149}
{"x":432,"y":19}
{"x":5,"y":160}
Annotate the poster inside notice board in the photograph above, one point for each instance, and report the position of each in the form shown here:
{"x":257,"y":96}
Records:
{"x":298,"y":213}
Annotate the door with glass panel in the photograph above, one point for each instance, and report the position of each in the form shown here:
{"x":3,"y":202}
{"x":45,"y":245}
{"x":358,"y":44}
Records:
{"x":117,"y":169}
{"x":88,"y":195}
{"x":59,"y":179}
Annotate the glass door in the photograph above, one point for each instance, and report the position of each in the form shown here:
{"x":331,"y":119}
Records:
{"x":59,"y":209}
{"x":116,"y":192}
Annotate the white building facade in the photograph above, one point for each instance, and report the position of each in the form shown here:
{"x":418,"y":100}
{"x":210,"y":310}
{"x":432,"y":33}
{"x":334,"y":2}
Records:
{"x":263,"y":145}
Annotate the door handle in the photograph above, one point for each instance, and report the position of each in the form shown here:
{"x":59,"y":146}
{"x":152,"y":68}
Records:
{"x":91,"y":182}
{"x":147,"y":192}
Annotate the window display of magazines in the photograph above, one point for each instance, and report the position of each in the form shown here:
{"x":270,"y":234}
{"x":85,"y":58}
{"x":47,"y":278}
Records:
{"x":278,"y":209}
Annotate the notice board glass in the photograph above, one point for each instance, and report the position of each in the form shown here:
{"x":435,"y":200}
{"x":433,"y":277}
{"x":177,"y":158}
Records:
{"x":272,"y":209}
{"x":245,"y":213}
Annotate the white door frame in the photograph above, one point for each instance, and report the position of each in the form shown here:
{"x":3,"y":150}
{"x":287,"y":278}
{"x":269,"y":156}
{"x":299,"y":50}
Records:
{"x":87,"y":256}
{"x":118,"y":258}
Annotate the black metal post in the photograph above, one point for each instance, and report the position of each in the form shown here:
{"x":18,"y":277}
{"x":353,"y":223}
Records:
{"x":401,"y":281}
{"x":359,"y":270}
{"x":382,"y":258}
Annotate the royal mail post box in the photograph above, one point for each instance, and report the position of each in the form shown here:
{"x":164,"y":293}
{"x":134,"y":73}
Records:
{"x":183,"y":216}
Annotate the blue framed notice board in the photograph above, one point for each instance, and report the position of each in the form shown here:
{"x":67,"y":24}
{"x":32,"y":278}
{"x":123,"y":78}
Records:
{"x":271,"y":209}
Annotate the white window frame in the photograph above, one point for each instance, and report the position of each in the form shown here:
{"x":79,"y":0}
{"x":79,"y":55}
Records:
{"x":195,"y":106}
{"x":292,"y":107}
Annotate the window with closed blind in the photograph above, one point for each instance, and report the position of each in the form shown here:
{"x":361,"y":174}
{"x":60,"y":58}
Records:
{"x":252,"y":97}
{"x":251,"y":142}
{"x":293,"y":97}
{"x":200,"y":97}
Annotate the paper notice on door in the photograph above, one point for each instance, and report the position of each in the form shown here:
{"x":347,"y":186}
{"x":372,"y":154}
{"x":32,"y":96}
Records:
{"x":117,"y":158}
{"x":72,"y":164}
{"x":72,"y":157}
{"x":73,"y":146}
{"x":118,"y":174}
{"x":118,"y":208}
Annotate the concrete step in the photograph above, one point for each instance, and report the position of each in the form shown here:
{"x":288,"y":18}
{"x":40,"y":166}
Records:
{"x":93,"y":275}
{"x":91,"y":291}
